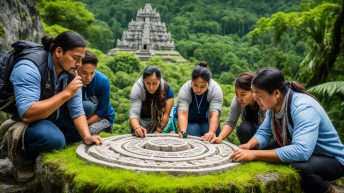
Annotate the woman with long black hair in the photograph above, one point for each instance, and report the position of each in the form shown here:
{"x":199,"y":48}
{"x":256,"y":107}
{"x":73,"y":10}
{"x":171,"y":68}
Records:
{"x":151,"y":101}
{"x":304,"y":134}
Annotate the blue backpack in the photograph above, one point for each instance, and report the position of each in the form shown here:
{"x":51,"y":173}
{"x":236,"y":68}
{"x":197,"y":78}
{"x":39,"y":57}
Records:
{"x":21,"y":50}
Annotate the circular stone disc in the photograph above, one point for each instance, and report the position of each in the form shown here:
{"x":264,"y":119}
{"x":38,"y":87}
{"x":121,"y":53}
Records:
{"x":160,"y":153}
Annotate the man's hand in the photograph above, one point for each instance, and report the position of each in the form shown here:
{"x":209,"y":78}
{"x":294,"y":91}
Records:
{"x":74,"y":85}
{"x":243,"y":155}
{"x":93,"y":139}
{"x":140,"y":131}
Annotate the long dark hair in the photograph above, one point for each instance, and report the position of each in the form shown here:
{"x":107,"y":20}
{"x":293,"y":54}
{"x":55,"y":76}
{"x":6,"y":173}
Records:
{"x":270,"y":79}
{"x":201,"y":70}
{"x":244,"y":80}
{"x":66,"y":40}
{"x":158,"y":99}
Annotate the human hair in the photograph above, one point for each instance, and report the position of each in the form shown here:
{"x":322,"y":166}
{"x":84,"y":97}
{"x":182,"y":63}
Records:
{"x":151,"y":70}
{"x":158,"y":99}
{"x":66,"y":40}
{"x":270,"y":79}
{"x":90,"y":58}
{"x":201,"y":70}
{"x":244,"y":80}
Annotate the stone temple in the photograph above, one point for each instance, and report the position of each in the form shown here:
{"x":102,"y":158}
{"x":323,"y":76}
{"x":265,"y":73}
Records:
{"x":160,"y":153}
{"x":147,"y":36}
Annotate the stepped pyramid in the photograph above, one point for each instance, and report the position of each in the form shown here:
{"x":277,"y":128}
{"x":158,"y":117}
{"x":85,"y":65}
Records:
{"x":147,"y":36}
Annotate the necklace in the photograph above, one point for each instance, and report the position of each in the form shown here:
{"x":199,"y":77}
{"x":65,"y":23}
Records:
{"x":198,"y":105}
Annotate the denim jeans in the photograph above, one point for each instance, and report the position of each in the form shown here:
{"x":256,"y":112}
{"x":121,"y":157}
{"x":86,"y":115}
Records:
{"x":199,"y":129}
{"x":44,"y":135}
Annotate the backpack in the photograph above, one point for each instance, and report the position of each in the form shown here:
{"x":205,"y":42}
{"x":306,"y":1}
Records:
{"x":21,"y":50}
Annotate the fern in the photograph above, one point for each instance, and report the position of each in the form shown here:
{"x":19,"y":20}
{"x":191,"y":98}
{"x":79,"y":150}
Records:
{"x":328,"y":89}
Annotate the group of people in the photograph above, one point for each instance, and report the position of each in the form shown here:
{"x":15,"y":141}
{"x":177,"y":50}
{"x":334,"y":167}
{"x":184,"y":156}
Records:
{"x":281,"y":122}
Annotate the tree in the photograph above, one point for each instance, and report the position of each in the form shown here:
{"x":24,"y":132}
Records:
{"x":124,"y":62}
{"x":320,"y":27}
{"x":100,"y":36}
{"x":71,"y":15}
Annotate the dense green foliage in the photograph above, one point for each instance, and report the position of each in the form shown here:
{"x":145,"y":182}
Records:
{"x":63,"y":15}
{"x":299,"y":37}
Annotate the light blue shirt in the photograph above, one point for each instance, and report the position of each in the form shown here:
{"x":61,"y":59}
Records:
{"x":313,"y":132}
{"x":26,"y":80}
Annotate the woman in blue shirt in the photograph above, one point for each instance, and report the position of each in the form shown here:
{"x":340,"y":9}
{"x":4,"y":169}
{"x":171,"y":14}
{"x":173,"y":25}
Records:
{"x":96,"y":95}
{"x":307,"y":139}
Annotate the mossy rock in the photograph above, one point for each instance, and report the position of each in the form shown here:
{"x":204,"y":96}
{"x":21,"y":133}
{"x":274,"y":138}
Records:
{"x":2,"y":31}
{"x":63,"y":171}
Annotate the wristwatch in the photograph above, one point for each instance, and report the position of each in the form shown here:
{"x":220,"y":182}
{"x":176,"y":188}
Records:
{"x":184,"y":134}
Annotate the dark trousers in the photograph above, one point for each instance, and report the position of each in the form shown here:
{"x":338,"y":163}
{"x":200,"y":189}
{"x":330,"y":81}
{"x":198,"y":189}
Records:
{"x":246,"y":131}
{"x":316,"y":171}
{"x":44,"y":135}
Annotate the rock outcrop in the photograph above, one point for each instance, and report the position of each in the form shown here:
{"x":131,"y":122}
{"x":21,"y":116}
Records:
{"x":19,"y":20}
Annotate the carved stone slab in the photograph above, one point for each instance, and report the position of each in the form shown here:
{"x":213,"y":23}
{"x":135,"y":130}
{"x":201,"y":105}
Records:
{"x":160,"y":153}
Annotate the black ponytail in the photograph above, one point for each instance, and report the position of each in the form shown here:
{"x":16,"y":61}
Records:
{"x":66,"y":40}
{"x":270,"y":79}
{"x":201,"y":70}
{"x":47,"y":42}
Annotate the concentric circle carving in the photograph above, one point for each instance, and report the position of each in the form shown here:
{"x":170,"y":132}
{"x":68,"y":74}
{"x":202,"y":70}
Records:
{"x":160,"y":153}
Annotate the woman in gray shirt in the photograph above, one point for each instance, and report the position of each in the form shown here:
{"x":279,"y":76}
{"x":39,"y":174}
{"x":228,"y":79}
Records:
{"x":242,"y":104}
{"x":199,"y":104}
{"x":151,"y":101}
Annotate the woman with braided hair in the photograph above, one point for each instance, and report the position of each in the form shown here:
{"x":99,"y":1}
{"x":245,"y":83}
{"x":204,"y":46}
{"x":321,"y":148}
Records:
{"x":304,"y":134}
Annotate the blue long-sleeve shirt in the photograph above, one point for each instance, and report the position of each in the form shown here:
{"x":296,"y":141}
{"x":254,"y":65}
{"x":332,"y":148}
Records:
{"x":98,"y":91}
{"x":26,"y":80}
{"x":313,"y":132}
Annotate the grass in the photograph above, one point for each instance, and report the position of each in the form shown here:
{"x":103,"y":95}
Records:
{"x":86,"y":177}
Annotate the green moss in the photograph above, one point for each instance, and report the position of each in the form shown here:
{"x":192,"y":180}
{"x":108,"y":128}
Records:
{"x":2,"y":31}
{"x":339,"y":182}
{"x":86,"y":177}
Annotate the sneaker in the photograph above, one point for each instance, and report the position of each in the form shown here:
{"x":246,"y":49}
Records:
{"x":23,"y":169}
{"x":331,"y":189}
{"x":99,"y":126}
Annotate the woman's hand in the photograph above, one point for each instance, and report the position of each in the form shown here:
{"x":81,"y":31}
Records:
{"x":243,"y":155}
{"x":245,"y":146}
{"x":217,"y":140}
{"x":140,"y":131}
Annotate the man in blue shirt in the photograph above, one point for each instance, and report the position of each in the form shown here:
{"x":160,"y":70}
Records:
{"x":96,"y":95}
{"x":59,"y":101}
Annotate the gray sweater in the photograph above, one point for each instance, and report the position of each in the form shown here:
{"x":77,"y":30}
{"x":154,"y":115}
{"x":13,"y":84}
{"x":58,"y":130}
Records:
{"x":234,"y":113}
{"x":215,"y":97}
{"x":236,"y":110}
